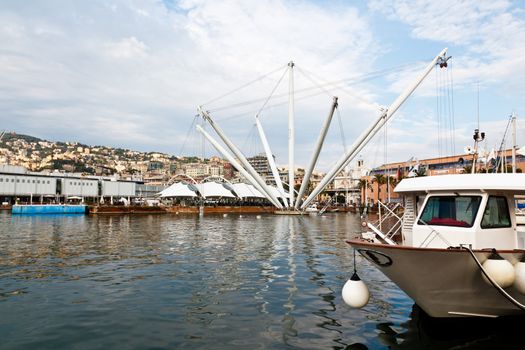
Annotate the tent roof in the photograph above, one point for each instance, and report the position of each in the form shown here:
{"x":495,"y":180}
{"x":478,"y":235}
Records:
{"x":276,"y":192}
{"x":246,"y":191}
{"x":178,"y":189}
{"x":214,"y":189}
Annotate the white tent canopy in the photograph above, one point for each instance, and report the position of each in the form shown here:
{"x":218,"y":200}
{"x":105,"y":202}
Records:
{"x":213,"y":189}
{"x":178,"y":189}
{"x":246,"y":191}
{"x":276,"y":192}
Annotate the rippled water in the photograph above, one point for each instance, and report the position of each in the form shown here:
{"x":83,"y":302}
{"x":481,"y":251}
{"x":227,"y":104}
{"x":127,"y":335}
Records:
{"x":163,"y":282}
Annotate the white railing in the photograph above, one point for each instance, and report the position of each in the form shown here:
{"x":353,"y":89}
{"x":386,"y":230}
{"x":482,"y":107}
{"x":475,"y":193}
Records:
{"x":387,"y":214}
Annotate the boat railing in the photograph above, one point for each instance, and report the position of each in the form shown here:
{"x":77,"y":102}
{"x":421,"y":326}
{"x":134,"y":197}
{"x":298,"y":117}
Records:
{"x":387,"y":218}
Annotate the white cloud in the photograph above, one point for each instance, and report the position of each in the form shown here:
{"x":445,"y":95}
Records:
{"x":142,"y":66}
{"x":133,"y":72}
{"x":127,"y":48}
{"x":486,"y":36}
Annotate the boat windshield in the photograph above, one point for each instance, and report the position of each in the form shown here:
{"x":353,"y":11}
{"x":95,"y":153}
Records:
{"x":457,"y":211}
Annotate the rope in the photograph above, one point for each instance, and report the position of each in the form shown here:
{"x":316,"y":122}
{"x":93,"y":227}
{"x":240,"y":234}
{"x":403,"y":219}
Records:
{"x":341,"y":130}
{"x":501,"y":150}
{"x":335,"y":86}
{"x":273,"y":90}
{"x":348,"y":81}
{"x":192,"y":127}
{"x":320,"y":87}
{"x":450,"y":100}
{"x":438,"y":114}
{"x":243,"y":86}
{"x":446,"y":133}
{"x":498,"y":288}
{"x":387,"y":170}
{"x":355,"y":266}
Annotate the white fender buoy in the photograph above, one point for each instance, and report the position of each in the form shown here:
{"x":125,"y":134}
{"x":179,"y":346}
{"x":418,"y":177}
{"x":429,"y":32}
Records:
{"x":499,"y":269}
{"x":240,"y":216}
{"x":258,"y":216}
{"x":355,"y":292}
{"x":224,"y":215}
{"x":519,"y":270}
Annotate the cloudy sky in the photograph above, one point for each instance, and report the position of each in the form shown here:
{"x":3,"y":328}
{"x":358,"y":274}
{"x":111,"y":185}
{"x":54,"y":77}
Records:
{"x":131,"y":73}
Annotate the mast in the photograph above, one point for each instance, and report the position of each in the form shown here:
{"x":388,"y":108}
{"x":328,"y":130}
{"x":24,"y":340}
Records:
{"x":365,"y":137}
{"x":315,"y":155}
{"x":291,"y":136}
{"x":247,"y":166}
{"x":234,"y":162}
{"x":478,"y":137}
{"x":513,"y":142}
{"x":271,"y":161}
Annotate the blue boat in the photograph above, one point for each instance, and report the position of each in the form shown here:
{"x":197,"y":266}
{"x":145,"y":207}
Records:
{"x":49,"y":209}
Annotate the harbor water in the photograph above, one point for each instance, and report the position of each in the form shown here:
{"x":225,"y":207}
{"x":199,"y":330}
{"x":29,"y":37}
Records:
{"x":211,"y":282}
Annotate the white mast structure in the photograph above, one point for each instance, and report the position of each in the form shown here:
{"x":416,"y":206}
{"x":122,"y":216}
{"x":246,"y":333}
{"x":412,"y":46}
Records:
{"x":246,"y":165}
{"x":291,"y":136}
{"x":234,"y":162}
{"x":271,"y":160}
{"x":365,"y":137}
{"x":315,"y":155}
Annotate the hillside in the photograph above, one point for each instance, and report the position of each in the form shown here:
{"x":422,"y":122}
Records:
{"x":37,"y":154}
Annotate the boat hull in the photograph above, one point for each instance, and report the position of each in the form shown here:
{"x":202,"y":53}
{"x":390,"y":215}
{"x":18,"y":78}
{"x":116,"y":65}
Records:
{"x":221,"y":209}
{"x":33,"y":209}
{"x":443,"y":282}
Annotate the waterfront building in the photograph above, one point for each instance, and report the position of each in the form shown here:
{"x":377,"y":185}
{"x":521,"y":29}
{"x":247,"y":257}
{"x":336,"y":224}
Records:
{"x":18,"y":185}
{"x":379,"y":183}
{"x":261,"y":165}
{"x":196,"y":170}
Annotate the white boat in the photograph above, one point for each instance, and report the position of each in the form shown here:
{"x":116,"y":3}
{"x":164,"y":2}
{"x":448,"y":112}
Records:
{"x":442,"y":254}
{"x":312,"y":209}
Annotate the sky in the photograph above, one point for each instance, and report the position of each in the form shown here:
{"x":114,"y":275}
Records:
{"x":131,"y":73}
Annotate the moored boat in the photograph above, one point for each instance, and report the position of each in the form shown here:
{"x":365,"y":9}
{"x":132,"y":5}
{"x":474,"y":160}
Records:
{"x":49,"y":209}
{"x":458,"y":250}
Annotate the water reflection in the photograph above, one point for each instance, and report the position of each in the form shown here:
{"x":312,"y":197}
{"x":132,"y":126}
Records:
{"x":161,"y":281}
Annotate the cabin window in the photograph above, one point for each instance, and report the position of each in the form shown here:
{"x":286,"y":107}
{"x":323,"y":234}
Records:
{"x":496,"y":213}
{"x":459,"y":211}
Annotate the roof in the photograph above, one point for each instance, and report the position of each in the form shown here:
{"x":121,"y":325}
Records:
{"x":462,"y":182}
{"x":276,"y":192}
{"x":246,"y":191}
{"x":178,"y":189}
{"x":213,"y":189}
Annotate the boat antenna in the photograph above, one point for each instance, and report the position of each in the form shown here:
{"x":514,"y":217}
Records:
{"x":478,"y":104}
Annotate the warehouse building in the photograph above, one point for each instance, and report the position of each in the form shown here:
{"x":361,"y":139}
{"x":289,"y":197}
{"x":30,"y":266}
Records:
{"x":19,"y":185}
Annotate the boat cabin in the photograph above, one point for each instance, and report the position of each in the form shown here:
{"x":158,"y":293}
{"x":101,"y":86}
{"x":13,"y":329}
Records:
{"x":469,"y":209}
